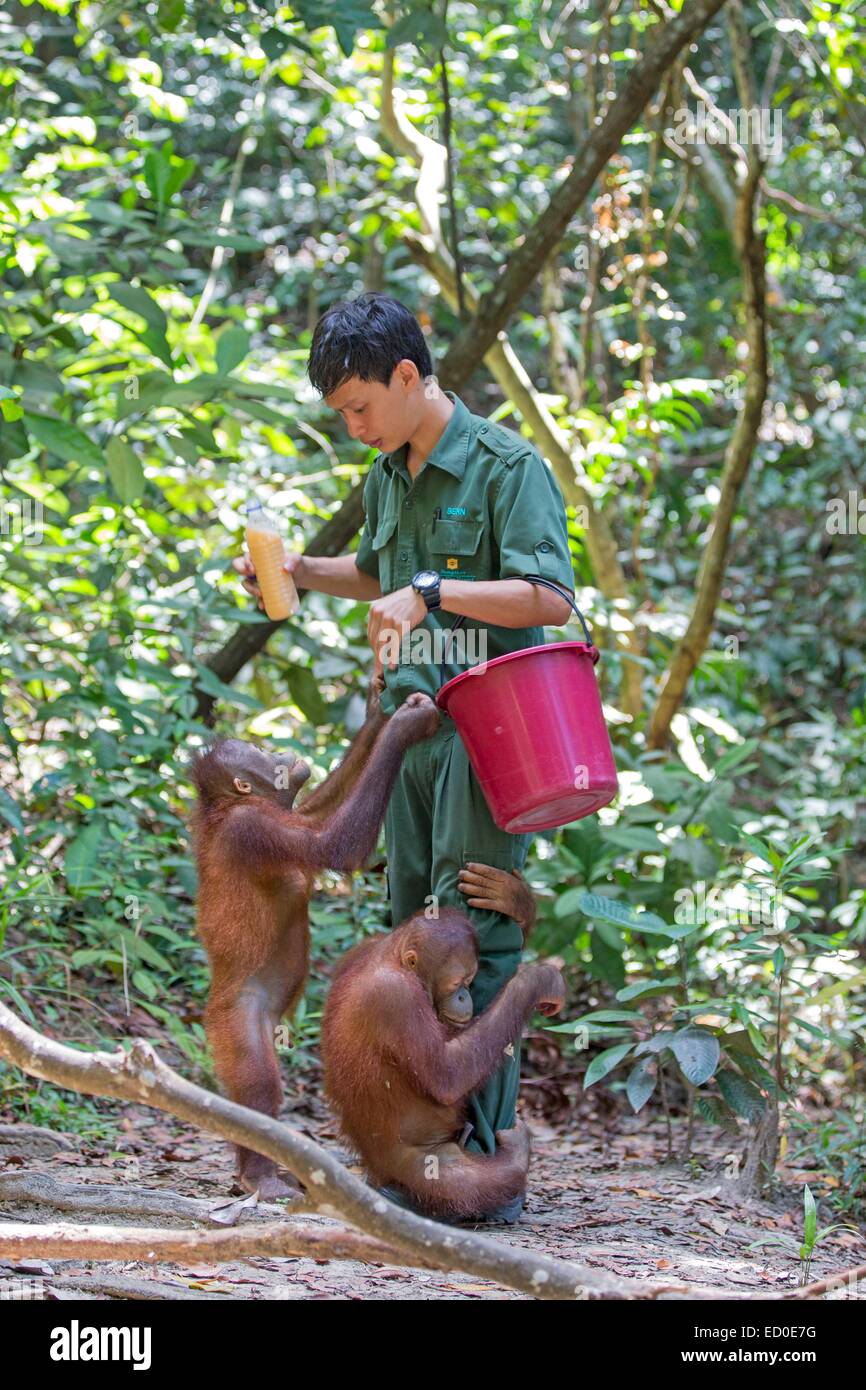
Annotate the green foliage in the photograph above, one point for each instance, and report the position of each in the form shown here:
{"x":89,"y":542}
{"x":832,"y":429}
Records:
{"x":666,"y":1024}
{"x":837,"y":1148}
{"x":811,"y":1236}
{"x":185,"y":187}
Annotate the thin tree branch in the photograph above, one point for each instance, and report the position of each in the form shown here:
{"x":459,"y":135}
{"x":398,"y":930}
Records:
{"x":751,"y":249}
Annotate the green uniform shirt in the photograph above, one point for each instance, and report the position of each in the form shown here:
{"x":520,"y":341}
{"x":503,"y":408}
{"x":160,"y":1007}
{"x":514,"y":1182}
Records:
{"x":484,"y":505}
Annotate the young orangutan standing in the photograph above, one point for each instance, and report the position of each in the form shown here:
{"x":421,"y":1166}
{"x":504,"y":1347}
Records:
{"x":257,"y":855}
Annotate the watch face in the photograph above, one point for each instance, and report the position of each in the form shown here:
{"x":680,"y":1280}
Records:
{"x":425,"y":577}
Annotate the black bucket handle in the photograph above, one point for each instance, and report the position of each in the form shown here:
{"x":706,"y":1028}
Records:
{"x":530,"y":579}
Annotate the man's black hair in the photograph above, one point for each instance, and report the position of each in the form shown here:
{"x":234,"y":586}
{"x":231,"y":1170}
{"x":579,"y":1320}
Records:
{"x":365,"y":337}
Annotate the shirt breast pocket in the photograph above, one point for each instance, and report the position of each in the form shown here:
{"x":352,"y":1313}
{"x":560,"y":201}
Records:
{"x":453,"y":540}
{"x":385,"y":546}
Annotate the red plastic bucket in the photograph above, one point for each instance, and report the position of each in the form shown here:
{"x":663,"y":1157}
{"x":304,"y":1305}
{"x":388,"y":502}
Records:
{"x":534,"y":730}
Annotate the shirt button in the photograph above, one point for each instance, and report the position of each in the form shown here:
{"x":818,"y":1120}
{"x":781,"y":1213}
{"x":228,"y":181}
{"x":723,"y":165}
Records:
{"x":404,"y":555}
{"x":483,"y":429}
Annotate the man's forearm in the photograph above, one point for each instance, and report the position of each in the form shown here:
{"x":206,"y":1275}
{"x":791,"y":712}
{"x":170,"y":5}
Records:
{"x":337,"y":575}
{"x":504,"y":602}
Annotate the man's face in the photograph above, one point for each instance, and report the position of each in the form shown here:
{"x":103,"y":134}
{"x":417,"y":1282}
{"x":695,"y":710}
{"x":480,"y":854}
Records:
{"x":381,"y":416}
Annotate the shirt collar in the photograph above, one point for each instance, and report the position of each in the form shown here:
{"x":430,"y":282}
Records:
{"x":450,"y":451}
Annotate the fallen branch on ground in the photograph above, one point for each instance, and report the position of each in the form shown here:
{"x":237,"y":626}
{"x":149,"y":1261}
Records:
{"x":331,"y":1190}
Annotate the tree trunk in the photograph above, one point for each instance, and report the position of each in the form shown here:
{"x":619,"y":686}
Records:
{"x":738,"y":455}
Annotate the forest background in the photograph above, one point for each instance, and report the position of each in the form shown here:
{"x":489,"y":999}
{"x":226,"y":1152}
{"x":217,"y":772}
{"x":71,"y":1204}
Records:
{"x":633,"y":231}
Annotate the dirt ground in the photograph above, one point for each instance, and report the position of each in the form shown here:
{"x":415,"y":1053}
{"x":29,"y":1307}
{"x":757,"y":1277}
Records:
{"x":600,"y":1192}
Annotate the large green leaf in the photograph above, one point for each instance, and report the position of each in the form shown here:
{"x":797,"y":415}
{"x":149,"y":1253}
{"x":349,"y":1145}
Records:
{"x":124,"y":470}
{"x":275,"y":42}
{"x":82,"y":856}
{"x":347,"y":18}
{"x":743,"y":1098}
{"x":9,"y":811}
{"x":67,"y":441}
{"x":233,"y":344}
{"x":635,"y":837}
{"x":165,"y":173}
{"x":700,"y":857}
{"x":640,"y":1084}
{"x":657,"y":1043}
{"x":421,"y":27}
{"x":614,"y":910}
{"x":697,"y":1052}
{"x":646,"y":989}
{"x":210,"y":683}
{"x":568,"y":902}
{"x":738,"y":1040}
{"x":604,"y":1063}
{"x":738,"y":755}
{"x":757,"y":1072}
{"x":137,"y":299}
{"x":154,"y":336}
{"x":665,"y":786}
{"x":170,"y":13}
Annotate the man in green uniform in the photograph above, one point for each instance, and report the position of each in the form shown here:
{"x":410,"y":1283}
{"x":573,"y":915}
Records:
{"x":457,"y":510}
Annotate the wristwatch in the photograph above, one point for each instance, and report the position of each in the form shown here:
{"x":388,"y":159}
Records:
{"x":426,"y":583}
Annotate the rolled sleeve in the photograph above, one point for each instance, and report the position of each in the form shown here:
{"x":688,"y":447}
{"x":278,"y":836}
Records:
{"x":530,"y":525}
{"x":366,"y":558}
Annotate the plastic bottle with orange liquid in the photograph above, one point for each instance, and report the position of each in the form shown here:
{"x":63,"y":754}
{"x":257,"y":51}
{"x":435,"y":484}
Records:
{"x":268,"y":555}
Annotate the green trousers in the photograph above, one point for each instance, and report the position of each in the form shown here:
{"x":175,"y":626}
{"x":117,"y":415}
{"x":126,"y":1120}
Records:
{"x":438,"y":820}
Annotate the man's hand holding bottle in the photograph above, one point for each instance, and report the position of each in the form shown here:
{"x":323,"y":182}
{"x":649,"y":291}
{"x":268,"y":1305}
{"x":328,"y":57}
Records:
{"x":294,"y":565}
